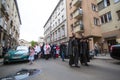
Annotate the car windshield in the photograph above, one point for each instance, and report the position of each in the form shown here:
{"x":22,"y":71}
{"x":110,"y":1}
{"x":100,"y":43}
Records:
{"x":22,"y":48}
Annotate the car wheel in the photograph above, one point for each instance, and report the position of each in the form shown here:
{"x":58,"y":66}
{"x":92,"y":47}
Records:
{"x":5,"y":62}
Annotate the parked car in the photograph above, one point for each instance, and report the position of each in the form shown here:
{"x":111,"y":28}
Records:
{"x":21,"y":53}
{"x":115,"y":51}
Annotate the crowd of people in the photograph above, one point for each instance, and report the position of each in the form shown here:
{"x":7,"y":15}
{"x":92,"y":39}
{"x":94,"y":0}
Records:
{"x":77,"y":49}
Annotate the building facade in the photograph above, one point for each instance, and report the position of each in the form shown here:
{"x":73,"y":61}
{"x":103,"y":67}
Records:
{"x":97,"y":19}
{"x":83,"y":18}
{"x":55,"y":29}
{"x":109,"y":12}
{"x":23,"y":42}
{"x":41,"y":41}
{"x":9,"y":22}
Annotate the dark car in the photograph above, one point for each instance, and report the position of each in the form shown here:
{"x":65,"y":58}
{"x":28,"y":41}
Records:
{"x":115,"y":51}
{"x":21,"y":53}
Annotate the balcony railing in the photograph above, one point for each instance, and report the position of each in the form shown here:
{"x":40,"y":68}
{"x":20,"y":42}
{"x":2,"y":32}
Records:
{"x":79,"y":28}
{"x":76,"y":2}
{"x":78,"y":13}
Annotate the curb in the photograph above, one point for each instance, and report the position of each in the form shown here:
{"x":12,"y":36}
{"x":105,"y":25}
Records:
{"x":103,"y":58}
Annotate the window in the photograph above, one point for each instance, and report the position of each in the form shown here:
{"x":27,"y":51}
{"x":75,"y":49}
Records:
{"x":63,"y":31}
{"x":62,"y":3}
{"x":71,"y":16}
{"x":56,"y":24}
{"x":118,"y":13}
{"x":62,"y":17}
{"x":106,"y":18}
{"x":56,"y":34}
{"x":116,"y":1}
{"x":96,"y":21}
{"x":59,"y":33}
{"x":109,"y":16}
{"x":62,"y":10}
{"x":58,"y":21}
{"x":58,"y":8}
{"x":71,"y":5}
{"x":94,"y":7}
{"x":72,"y":28}
{"x":102,"y":19}
{"x":53,"y":36}
{"x":103,"y":4}
{"x":58,"y":13}
{"x":106,"y":3}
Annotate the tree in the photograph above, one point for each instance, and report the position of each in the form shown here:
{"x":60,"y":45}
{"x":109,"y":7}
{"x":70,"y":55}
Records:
{"x":33,"y":43}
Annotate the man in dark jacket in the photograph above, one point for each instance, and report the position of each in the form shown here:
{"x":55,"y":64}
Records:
{"x":73,"y":51}
{"x":84,"y":51}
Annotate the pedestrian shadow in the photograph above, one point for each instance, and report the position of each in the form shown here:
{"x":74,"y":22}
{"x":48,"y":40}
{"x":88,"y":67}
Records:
{"x":117,"y":63}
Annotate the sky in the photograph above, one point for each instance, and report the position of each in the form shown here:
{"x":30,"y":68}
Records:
{"x":34,"y":14}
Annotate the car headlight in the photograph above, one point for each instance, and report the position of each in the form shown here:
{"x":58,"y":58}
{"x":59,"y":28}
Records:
{"x":25,"y":54}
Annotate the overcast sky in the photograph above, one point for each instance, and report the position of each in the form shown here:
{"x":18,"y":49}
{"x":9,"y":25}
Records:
{"x":34,"y":14}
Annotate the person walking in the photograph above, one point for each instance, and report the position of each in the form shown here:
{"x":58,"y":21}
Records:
{"x":31,"y":55}
{"x":84,"y":51}
{"x":47,"y":49}
{"x":62,"y":51}
{"x":73,"y":51}
{"x":54,"y":51}
{"x":57,"y":51}
{"x":37,"y":51}
{"x":96,"y":48}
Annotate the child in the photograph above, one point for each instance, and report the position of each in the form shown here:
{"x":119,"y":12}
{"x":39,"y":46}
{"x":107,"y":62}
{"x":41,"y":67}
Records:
{"x":31,"y":55}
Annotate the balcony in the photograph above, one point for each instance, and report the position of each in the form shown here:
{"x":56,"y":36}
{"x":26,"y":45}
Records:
{"x":79,"y":28}
{"x":76,"y":2}
{"x":4,"y":5}
{"x":78,"y":13}
{"x":5,"y":8}
{"x":1,"y":22}
{"x":5,"y":26}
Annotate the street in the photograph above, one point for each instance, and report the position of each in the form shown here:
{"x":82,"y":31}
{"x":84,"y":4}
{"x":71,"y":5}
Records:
{"x":51,"y":69}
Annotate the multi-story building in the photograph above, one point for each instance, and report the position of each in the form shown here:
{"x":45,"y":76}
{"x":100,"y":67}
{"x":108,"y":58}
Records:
{"x":55,"y":29}
{"x":83,"y":18}
{"x":109,"y":12}
{"x":9,"y":22}
{"x":23,"y":42}
{"x":41,"y":41}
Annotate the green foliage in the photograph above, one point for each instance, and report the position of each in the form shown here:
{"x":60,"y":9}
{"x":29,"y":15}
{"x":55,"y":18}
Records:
{"x":33,"y":43}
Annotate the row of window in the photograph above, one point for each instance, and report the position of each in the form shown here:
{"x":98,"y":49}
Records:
{"x":55,"y":24}
{"x":58,"y":34}
{"x":105,"y":18}
{"x":104,"y":3}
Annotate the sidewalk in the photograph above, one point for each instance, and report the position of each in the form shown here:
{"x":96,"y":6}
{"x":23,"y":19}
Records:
{"x":103,"y":56}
